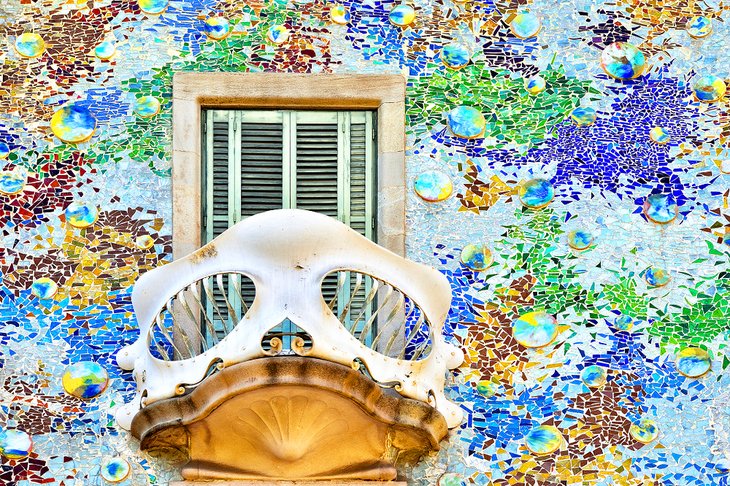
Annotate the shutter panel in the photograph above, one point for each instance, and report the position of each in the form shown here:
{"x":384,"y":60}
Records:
{"x":315,"y":163}
{"x":359,"y":200}
{"x":315,"y":170}
{"x":261,"y":158}
{"x":219,"y":183}
{"x":260,"y":163}
{"x":220,"y":191}
{"x":330,"y":169}
{"x":360,"y":183}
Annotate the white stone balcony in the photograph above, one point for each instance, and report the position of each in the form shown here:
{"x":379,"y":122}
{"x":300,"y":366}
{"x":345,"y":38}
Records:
{"x":301,"y":322}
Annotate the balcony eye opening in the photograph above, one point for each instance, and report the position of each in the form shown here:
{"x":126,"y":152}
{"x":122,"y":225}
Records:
{"x":378,"y":314}
{"x":201,"y":315}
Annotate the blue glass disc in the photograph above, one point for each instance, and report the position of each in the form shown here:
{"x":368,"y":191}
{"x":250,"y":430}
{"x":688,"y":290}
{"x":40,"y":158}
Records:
{"x":73,"y":123}
{"x":535,"y":85}
{"x":661,"y":208}
{"x":656,"y":277}
{"x":580,"y":239}
{"x":583,"y":117}
{"x":115,"y":470}
{"x":455,"y":56}
{"x":451,"y":479}
{"x":594,"y":376}
{"x":12,"y":181}
{"x":81,"y":215}
{"x":693,"y":362}
{"x":29,"y":44}
{"x":525,"y":25}
{"x":154,"y":7}
{"x":15,"y":444}
{"x":699,"y":27}
{"x":403,"y":15}
{"x":85,"y":379}
{"x":476,"y":257}
{"x":105,"y":50}
{"x":709,"y":88}
{"x":623,"y":61}
{"x":535,"y":329}
{"x":147,"y":106}
{"x":536,"y":193}
{"x":217,"y":28}
{"x":544,"y":439}
{"x":466,"y":122}
{"x":644,"y":431}
{"x":44,"y":288}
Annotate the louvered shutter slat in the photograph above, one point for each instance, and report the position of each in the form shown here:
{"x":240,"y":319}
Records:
{"x":316,"y":167}
{"x":262,"y":184}
{"x":358,"y":214}
{"x":218,"y":200}
{"x":358,"y":177}
{"x":262,"y":156}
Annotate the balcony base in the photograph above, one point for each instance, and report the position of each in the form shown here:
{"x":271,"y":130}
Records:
{"x":286,"y":421}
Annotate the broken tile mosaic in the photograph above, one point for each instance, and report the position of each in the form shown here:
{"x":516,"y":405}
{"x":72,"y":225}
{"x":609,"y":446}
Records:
{"x":622,"y":247}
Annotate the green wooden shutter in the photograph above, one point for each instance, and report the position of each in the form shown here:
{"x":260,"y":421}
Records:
{"x":362,"y":174}
{"x":314,"y":160}
{"x":218,"y":176}
{"x":316,"y":167}
{"x":259,"y":160}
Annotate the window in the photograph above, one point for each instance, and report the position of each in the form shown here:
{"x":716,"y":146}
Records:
{"x":196,"y":95}
{"x":258,"y":160}
{"x":321,"y":161}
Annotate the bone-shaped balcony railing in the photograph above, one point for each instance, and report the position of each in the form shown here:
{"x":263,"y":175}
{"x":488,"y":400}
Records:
{"x":291,"y":282}
{"x":378,"y":314}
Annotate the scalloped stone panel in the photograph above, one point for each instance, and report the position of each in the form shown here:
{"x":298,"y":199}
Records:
{"x":287,"y":418}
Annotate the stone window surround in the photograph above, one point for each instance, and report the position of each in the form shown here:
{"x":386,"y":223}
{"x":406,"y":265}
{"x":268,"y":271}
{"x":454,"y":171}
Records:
{"x":193,"y":91}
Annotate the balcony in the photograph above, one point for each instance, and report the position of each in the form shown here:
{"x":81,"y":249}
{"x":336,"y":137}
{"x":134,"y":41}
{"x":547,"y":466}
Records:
{"x":290,"y":348}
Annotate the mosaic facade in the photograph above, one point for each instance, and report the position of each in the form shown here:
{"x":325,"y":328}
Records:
{"x":567,"y":170}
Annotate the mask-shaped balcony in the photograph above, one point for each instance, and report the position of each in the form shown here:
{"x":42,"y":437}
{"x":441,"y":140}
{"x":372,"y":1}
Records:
{"x":290,"y":347}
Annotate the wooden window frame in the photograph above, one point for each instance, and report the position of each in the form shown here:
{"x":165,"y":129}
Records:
{"x":193,"y":92}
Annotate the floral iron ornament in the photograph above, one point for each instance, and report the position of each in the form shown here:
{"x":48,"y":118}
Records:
{"x":287,"y":254}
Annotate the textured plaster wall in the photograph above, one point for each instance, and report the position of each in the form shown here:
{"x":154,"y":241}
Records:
{"x":628,"y":254}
